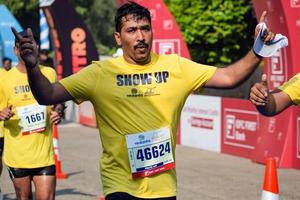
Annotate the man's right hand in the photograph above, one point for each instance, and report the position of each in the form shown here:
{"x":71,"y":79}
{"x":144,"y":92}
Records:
{"x":28,"y":48}
{"x":269,"y":35}
{"x":6,"y":113}
{"x":259,"y":92}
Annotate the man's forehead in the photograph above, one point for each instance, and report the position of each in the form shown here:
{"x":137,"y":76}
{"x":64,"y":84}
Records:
{"x":134,"y":18}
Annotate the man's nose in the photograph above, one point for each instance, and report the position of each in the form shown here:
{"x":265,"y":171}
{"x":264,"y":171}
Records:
{"x":140,"y":35}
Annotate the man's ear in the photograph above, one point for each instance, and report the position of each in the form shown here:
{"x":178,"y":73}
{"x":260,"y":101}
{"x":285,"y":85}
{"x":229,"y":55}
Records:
{"x":16,"y":51}
{"x":118,"y":38}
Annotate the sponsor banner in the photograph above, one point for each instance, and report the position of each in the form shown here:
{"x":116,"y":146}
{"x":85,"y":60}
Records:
{"x":240,"y":124}
{"x":73,"y":43}
{"x":295,"y":3}
{"x":240,"y":127}
{"x":166,"y":33}
{"x":283,"y":17}
{"x":155,"y":170}
{"x":248,"y":134}
{"x":200,"y":122}
{"x":274,"y":139}
{"x":298,"y":138}
{"x":277,"y":68}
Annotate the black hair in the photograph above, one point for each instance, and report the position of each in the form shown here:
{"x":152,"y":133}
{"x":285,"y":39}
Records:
{"x":131,"y":8}
{"x":6,"y":59}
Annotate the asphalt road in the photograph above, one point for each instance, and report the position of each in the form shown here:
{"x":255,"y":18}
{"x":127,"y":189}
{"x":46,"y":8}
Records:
{"x":202,"y":175}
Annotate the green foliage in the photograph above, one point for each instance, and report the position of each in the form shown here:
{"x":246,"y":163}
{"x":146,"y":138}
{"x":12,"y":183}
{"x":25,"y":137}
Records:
{"x":217,"y":32}
{"x":99,"y":17}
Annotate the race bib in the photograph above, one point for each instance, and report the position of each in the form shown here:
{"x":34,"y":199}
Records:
{"x":150,"y":152}
{"x":33,"y":118}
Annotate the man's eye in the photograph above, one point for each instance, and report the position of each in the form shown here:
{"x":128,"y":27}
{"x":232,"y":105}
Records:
{"x":146,"y":28}
{"x":130,"y":30}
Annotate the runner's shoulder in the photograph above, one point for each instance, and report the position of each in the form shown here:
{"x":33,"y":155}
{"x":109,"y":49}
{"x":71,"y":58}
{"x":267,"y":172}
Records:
{"x":47,"y":70}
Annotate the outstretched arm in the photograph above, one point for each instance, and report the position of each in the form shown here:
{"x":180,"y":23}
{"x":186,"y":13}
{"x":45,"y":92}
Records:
{"x":44,"y":92}
{"x":238,"y":71}
{"x":268,"y":103}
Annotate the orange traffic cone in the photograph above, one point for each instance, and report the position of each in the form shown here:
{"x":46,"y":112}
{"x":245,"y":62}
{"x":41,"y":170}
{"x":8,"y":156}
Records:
{"x":59,"y":173}
{"x":270,"y":188}
{"x":102,"y":197}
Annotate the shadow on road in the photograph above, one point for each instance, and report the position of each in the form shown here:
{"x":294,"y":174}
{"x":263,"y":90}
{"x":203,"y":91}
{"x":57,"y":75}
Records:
{"x":71,"y":191}
{"x":74,"y":173}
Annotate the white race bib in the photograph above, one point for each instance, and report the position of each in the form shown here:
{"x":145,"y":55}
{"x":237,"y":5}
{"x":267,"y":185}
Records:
{"x":33,"y":118}
{"x":150,"y":152}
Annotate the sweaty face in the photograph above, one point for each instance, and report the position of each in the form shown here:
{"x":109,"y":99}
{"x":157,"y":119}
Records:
{"x":135,"y":38}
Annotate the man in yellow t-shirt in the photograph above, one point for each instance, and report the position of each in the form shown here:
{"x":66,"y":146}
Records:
{"x":276,"y":101}
{"x":2,"y":73}
{"x":28,"y":150}
{"x":137,"y":99}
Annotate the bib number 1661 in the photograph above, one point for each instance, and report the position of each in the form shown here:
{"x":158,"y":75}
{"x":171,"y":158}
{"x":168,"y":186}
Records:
{"x":153,"y":152}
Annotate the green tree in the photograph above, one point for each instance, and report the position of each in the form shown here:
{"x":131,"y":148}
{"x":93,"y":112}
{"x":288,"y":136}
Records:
{"x":99,"y":17}
{"x":217,"y":32}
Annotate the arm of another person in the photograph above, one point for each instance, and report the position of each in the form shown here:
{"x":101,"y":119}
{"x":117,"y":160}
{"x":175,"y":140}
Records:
{"x":238,"y":71}
{"x":43,"y":90}
{"x":269,"y":103}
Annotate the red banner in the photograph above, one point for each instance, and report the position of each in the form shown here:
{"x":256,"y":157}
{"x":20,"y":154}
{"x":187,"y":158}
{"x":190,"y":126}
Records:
{"x":283,"y":17}
{"x":274,"y":139}
{"x":73,"y":43}
{"x":279,"y":136}
{"x":248,"y":134}
{"x":240,"y":124}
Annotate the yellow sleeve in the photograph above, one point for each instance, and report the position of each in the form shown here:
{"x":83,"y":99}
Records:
{"x":292,"y":88}
{"x":2,"y":97}
{"x":50,"y":73}
{"x":82,"y":84}
{"x":195,"y":74}
{"x":2,"y":105}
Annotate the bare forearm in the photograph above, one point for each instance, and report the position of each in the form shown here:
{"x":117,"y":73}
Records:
{"x":231,"y":75}
{"x":277,"y":101}
{"x":46,"y":93}
{"x":269,"y":109}
{"x":239,"y":70}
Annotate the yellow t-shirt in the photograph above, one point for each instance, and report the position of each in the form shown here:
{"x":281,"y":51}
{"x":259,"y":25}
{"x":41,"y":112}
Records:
{"x":2,"y":75}
{"x":2,"y":71}
{"x":28,"y":137}
{"x":292,"y":88}
{"x":131,"y":99}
